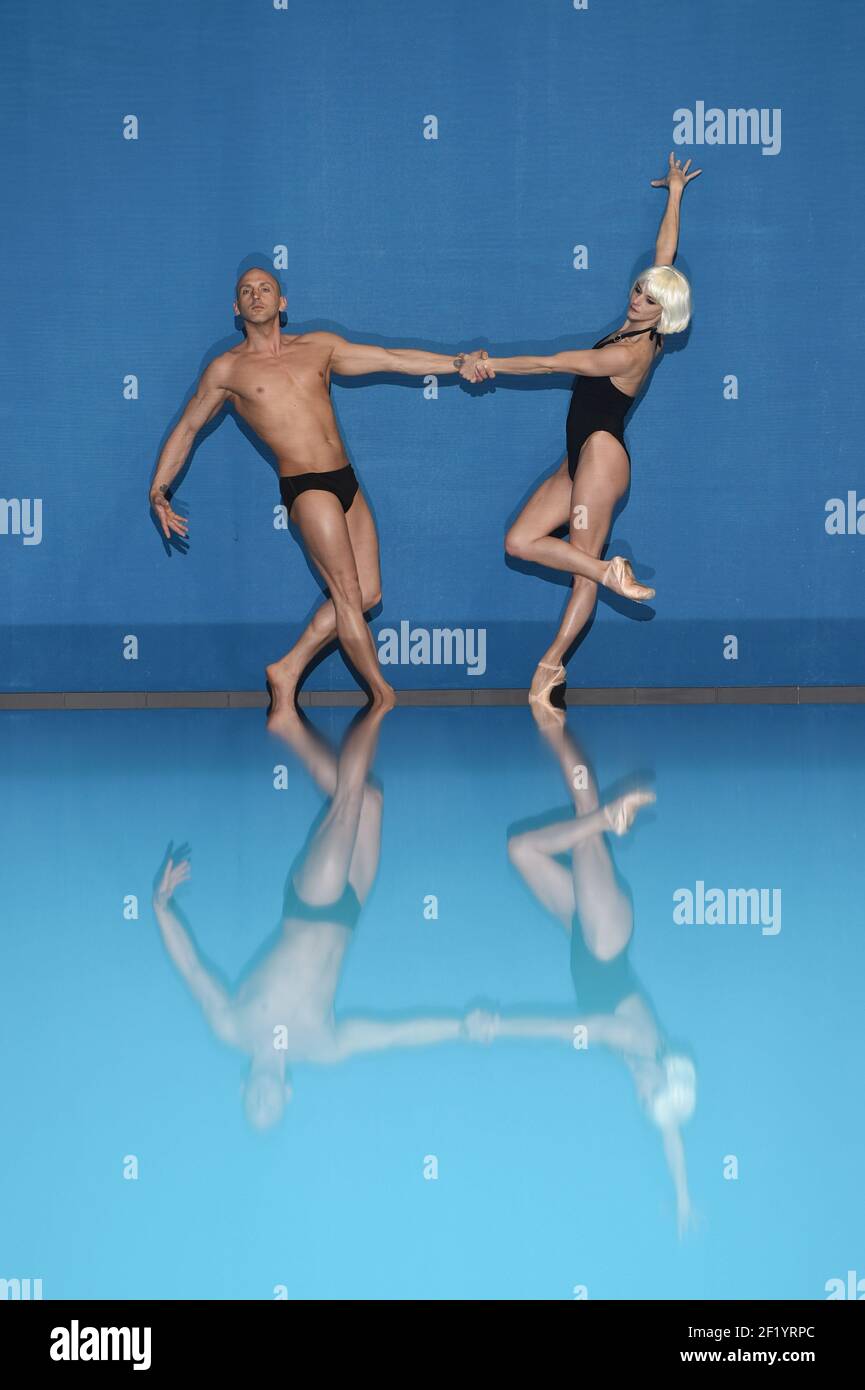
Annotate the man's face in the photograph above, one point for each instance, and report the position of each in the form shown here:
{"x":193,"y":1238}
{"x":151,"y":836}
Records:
{"x":257,"y":298}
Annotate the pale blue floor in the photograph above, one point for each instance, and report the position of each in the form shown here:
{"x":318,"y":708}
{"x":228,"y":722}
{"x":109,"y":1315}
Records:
{"x":550,"y":1173}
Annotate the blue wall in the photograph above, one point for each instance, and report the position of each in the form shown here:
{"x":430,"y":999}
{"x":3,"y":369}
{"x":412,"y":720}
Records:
{"x":303,"y":127}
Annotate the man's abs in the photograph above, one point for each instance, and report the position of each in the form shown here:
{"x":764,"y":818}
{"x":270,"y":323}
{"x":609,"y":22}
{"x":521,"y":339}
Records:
{"x":286,"y":401}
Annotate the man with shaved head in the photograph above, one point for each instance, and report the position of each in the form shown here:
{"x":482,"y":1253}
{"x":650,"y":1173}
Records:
{"x":280,"y":384}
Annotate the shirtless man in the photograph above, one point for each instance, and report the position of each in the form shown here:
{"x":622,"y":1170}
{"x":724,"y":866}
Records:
{"x":280,"y":384}
{"x":282,"y":1010}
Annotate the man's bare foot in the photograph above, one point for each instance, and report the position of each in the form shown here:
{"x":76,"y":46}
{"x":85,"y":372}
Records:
{"x":281,"y":681}
{"x":621,"y":812}
{"x":619,"y":577}
{"x":545,"y":680}
{"x":286,"y":722}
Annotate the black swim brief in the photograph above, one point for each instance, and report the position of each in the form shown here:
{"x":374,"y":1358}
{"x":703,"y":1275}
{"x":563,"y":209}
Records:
{"x":340,"y":481}
{"x":345,"y":909}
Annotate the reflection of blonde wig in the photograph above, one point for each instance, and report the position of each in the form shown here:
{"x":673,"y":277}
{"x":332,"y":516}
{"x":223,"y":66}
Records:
{"x":674,"y":1103}
{"x":671,"y":290}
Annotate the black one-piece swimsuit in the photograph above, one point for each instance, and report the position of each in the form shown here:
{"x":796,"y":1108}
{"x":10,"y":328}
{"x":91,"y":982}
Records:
{"x":596,"y":404}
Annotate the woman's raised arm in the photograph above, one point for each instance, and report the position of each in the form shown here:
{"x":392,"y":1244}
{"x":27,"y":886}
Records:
{"x":668,"y":233}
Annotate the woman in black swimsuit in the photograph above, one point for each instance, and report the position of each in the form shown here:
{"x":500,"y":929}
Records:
{"x":587,"y":485}
{"x":568,"y":866}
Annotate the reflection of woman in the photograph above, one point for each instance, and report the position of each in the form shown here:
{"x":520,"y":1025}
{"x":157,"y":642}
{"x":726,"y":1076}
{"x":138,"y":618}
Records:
{"x":590,"y":482}
{"x":596,"y":911}
{"x":282,"y":1011}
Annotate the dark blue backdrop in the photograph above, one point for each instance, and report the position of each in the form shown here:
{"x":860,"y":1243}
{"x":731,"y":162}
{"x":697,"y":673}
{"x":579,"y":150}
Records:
{"x":294,"y":133}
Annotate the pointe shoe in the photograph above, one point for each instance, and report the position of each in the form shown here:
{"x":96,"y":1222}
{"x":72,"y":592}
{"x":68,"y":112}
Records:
{"x":621,"y":812}
{"x":619,"y":577}
{"x":542,"y":696}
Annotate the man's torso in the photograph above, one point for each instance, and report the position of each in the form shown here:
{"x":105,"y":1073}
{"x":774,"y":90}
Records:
{"x":286,"y":400}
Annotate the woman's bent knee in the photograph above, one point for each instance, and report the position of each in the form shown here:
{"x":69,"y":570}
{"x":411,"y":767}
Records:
{"x":516,"y":544}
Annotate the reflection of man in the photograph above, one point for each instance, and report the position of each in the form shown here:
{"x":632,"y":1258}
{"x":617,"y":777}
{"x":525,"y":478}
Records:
{"x":282,"y":1011}
{"x":280,"y":384}
{"x":596,"y":913}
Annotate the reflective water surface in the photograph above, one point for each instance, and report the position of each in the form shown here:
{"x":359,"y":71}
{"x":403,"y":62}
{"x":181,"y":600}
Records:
{"x":445,"y":1004}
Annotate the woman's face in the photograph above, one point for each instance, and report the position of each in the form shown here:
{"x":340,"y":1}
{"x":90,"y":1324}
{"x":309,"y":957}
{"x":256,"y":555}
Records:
{"x":643,"y":309}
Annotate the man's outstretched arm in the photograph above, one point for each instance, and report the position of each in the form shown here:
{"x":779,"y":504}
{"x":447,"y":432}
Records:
{"x":354,"y":1035}
{"x":210,"y":395}
{"x":203,"y":985}
{"x":359,"y":359}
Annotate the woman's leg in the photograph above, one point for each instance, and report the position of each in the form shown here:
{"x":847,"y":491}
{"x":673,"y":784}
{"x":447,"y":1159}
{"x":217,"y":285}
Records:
{"x":324,"y":528}
{"x":285,"y":674}
{"x":600,"y":482}
{"x":591,"y":888}
{"x":604,"y":909}
{"x":548,"y":508}
{"x":529,"y":537}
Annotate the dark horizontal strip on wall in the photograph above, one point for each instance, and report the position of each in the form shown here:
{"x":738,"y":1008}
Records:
{"x":253,"y":699}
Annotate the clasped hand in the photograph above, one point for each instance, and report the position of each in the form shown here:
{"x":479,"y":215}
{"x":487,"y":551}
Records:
{"x":477,"y":367}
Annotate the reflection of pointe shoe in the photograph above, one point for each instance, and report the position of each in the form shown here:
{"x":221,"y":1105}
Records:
{"x":621,"y":812}
{"x":544,"y":691}
{"x":619,"y":577}
{"x":548,"y":716}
